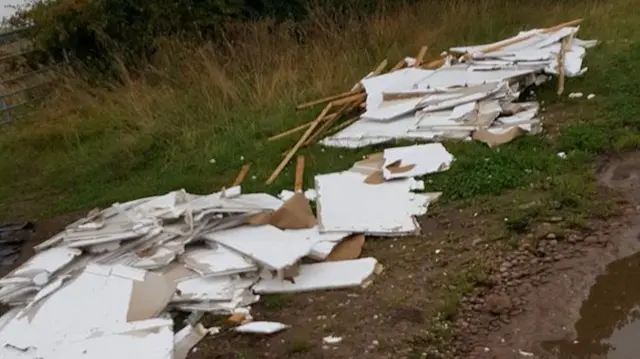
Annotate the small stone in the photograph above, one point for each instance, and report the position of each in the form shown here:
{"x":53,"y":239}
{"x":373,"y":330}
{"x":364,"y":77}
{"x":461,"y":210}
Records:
{"x":591,"y":240}
{"x":551,"y":236}
{"x":553,"y":242}
{"x":556,"y":219}
{"x":558,"y":257}
{"x":498,"y":304}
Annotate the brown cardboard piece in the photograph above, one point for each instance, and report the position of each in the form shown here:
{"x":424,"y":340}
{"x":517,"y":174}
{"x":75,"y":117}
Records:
{"x":149,"y":297}
{"x":349,"y":248}
{"x":295,"y":213}
{"x":497,"y":139}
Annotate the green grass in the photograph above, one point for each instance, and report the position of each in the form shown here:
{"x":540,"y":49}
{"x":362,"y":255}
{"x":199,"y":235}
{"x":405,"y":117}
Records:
{"x":92,"y":147}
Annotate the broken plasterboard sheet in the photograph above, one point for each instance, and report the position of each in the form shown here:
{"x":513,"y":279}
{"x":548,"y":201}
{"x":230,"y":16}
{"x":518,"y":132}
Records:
{"x":370,"y":164}
{"x":321,"y":243}
{"x":459,"y":77}
{"x":267,"y":245}
{"x":242,"y":298}
{"x":324,"y":276}
{"x":218,"y":288}
{"x":389,"y":110}
{"x":218,"y":260}
{"x":427,"y":158}
{"x":42,"y":265}
{"x":261,"y":328}
{"x":365,"y":132}
{"x":100,"y":297}
{"x":186,"y":339}
{"x":166,"y":206}
{"x":375,"y":86}
{"x":347,"y":204}
{"x":149,"y":339}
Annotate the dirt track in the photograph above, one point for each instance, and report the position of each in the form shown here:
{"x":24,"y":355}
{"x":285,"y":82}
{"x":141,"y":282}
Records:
{"x":516,"y":299}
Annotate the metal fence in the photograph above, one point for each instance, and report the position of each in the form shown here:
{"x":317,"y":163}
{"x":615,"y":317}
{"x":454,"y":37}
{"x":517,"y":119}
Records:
{"x":24,"y":77}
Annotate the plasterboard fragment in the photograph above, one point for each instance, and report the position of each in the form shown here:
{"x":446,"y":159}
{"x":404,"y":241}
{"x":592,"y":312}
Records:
{"x":218,"y":260}
{"x":266,"y":244}
{"x":261,"y":328}
{"x":124,"y":294}
{"x":347,"y":204}
{"x":187,"y":338}
{"x":428,"y":158}
{"x":325,"y":275}
{"x":150,"y":339}
{"x":496,"y":139}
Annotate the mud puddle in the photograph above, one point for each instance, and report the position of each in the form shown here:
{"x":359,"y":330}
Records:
{"x":609,"y":324}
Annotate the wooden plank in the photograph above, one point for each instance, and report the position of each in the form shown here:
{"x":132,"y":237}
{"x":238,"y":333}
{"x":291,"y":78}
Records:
{"x":298,"y":129}
{"x":241,"y":175}
{"x":420,"y":57}
{"x":344,"y":109}
{"x":327,"y":99}
{"x":299,"y":179}
{"x":297,"y":146}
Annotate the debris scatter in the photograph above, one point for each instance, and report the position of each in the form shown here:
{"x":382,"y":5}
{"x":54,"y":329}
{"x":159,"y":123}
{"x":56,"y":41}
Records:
{"x":117,"y":279}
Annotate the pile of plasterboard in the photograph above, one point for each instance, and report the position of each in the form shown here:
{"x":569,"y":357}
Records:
{"x":468,"y":92}
{"x":475,"y":95}
{"x":107,"y":285}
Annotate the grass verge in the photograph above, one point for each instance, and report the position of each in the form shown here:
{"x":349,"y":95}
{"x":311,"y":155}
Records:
{"x":198,"y":114}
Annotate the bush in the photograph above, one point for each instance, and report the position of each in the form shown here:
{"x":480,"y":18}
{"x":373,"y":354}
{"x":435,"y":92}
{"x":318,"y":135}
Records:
{"x":106,"y":34}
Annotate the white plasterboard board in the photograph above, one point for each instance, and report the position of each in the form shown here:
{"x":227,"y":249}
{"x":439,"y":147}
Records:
{"x":527,"y":115}
{"x":100,"y":297}
{"x":347,"y":204}
{"x":218,"y":288}
{"x":217,"y":260}
{"x":478,"y":93}
{"x":242,"y":298}
{"x":48,"y":261}
{"x":323,"y":276}
{"x":375,"y":86}
{"x":460,"y":76}
{"x":151,"y":339}
{"x":389,"y":110}
{"x":428,"y":158}
{"x":261,"y":327}
{"x":266,"y":244}
{"x":321,"y":250}
{"x":186,"y":339}
{"x":365,"y":132}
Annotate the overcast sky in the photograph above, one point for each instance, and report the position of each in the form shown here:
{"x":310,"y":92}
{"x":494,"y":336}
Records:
{"x":5,"y":10}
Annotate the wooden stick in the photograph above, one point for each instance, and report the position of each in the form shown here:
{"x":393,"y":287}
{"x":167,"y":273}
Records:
{"x":346,"y":107}
{"x":298,"y":129}
{"x":297,"y":146}
{"x":380,"y":68}
{"x":398,"y":66}
{"x":328,"y":99}
{"x":241,"y":175}
{"x":299,"y":174}
{"x":353,"y":98}
{"x":563,"y":49}
{"x":420,"y":57}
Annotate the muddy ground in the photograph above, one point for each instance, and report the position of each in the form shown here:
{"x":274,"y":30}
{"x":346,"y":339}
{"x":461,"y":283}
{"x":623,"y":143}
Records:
{"x":462,"y":290}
